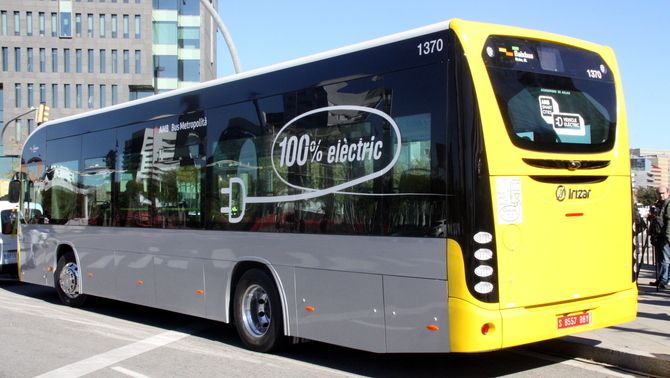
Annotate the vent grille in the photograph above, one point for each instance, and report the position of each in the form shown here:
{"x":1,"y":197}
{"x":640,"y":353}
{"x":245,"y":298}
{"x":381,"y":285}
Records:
{"x":571,"y":165}
{"x":569,"y":179}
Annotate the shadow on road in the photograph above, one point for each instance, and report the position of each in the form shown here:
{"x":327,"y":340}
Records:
{"x":497,"y":363}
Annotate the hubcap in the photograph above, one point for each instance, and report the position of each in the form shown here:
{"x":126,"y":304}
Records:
{"x":256,"y":311}
{"x":69,"y":280}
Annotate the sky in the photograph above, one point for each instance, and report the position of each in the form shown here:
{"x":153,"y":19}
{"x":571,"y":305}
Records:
{"x":266,"y":32}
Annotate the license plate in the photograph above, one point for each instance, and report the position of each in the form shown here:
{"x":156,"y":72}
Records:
{"x":574,"y":320}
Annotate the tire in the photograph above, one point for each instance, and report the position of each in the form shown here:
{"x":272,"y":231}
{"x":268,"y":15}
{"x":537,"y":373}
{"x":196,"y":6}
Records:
{"x":67,"y":280}
{"x":258,"y":312}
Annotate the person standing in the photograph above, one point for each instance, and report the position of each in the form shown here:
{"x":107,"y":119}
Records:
{"x":662,"y":244}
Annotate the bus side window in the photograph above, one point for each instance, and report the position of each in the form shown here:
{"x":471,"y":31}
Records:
{"x":97,"y":177}
{"x":131,"y":176}
{"x":8,"y":220}
{"x":96,"y":187}
{"x":34,"y":186}
{"x":233,"y":153}
{"x":179,"y":161}
{"x":62,"y":182}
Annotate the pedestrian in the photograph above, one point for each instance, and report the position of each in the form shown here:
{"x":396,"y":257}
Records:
{"x":662,"y":241}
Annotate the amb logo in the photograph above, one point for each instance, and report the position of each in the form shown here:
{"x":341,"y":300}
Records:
{"x":563,"y":193}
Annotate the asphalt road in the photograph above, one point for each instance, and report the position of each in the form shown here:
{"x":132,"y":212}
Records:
{"x":106,"y":338}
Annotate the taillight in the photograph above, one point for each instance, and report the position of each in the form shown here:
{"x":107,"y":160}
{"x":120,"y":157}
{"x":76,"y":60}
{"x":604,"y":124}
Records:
{"x":482,"y":267}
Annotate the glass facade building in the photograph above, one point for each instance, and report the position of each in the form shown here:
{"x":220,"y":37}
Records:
{"x":78,"y":55}
{"x":176,"y":43}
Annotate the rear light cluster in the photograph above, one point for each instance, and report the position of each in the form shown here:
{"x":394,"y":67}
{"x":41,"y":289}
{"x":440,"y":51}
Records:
{"x":484,"y":257}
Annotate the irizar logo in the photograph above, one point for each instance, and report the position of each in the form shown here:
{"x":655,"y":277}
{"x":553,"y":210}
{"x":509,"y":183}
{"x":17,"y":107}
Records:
{"x":563,"y":193}
{"x":560,"y":193}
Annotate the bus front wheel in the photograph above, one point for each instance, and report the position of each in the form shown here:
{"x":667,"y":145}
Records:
{"x":68,"y":281}
{"x":258,"y":312}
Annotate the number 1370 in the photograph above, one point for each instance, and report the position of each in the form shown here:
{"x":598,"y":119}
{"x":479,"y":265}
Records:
{"x":430,"y":47}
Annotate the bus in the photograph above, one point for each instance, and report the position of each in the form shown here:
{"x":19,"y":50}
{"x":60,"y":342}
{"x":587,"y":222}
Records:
{"x":461,"y":187}
{"x":8,"y":214}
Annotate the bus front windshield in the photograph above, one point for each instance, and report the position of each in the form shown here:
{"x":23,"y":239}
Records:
{"x":552,"y":97}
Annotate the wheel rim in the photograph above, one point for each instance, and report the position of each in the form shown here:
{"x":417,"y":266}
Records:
{"x":256,"y":311}
{"x":69,"y":280}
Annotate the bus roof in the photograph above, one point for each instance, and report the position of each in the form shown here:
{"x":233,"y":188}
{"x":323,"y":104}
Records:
{"x":386,"y":40}
{"x":264,"y":70}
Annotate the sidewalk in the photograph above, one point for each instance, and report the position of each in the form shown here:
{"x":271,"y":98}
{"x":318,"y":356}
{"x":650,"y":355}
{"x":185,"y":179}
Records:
{"x":642,"y":345}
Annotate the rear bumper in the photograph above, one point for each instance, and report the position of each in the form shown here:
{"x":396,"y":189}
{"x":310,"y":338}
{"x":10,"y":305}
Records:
{"x":526,"y":325}
{"x":517,"y":326}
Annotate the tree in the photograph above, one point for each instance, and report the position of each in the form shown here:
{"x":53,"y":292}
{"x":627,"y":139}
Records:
{"x":646,"y":196}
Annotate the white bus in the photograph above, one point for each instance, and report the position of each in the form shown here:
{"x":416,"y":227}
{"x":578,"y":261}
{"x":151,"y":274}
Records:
{"x":8,"y":216}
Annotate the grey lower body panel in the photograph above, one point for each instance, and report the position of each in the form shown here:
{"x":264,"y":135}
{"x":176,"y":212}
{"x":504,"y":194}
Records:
{"x":382,"y":294}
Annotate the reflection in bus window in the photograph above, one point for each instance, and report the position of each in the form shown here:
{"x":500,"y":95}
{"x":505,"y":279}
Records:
{"x":409,"y":202}
{"x":97,"y":189}
{"x":233,"y":154}
{"x":61,"y":187}
{"x":134,"y":169}
{"x":178,"y":165}
{"x":61,"y":190}
{"x":7,"y":219}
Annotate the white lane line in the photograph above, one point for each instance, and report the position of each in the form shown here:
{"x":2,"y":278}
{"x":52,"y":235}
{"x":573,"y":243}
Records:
{"x":129,"y":372}
{"x":114,"y":356}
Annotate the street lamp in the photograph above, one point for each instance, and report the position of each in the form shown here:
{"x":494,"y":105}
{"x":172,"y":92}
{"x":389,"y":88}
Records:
{"x":226,"y":35}
{"x":2,"y":134}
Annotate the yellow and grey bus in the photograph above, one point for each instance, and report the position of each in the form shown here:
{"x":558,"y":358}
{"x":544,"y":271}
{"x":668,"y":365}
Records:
{"x":459,"y":187}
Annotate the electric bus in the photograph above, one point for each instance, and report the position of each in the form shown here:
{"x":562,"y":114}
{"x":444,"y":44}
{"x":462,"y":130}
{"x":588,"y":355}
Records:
{"x":460,"y":187}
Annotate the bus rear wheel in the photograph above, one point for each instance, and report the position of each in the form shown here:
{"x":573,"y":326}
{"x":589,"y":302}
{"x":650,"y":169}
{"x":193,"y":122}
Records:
{"x":68,"y":281}
{"x":258,"y":312}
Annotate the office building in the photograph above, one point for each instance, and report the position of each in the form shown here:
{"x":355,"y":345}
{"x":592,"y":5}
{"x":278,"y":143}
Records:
{"x":81,"y":55}
{"x":650,"y":168}
{"x":641,"y":172}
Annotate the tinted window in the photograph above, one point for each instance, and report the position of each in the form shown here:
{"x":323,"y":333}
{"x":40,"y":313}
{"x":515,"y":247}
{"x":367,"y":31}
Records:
{"x":62,"y":197}
{"x":360,"y":156}
{"x":179,"y":163}
{"x":97,"y":176}
{"x":36,"y":178}
{"x":166,"y":66}
{"x":160,"y":172}
{"x":164,"y":4}
{"x":234,"y":134}
{"x":133,"y":164}
{"x":364,"y":156}
{"x":189,"y":7}
{"x":552,"y":97}
{"x":7,"y":220}
{"x":189,"y":70}
{"x":189,"y":37}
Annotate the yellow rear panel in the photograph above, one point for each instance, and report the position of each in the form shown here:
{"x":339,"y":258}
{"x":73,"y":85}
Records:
{"x":564,"y":249}
{"x":568,"y":250}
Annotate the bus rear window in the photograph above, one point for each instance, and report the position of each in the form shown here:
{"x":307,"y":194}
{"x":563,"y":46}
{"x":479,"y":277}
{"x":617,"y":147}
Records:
{"x":552,"y":97}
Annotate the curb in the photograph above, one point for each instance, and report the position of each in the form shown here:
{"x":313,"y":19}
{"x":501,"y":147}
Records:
{"x":629,"y":359}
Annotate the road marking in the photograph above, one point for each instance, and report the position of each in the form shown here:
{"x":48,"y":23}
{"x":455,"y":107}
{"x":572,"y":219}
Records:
{"x":129,"y":372}
{"x":114,"y":356}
